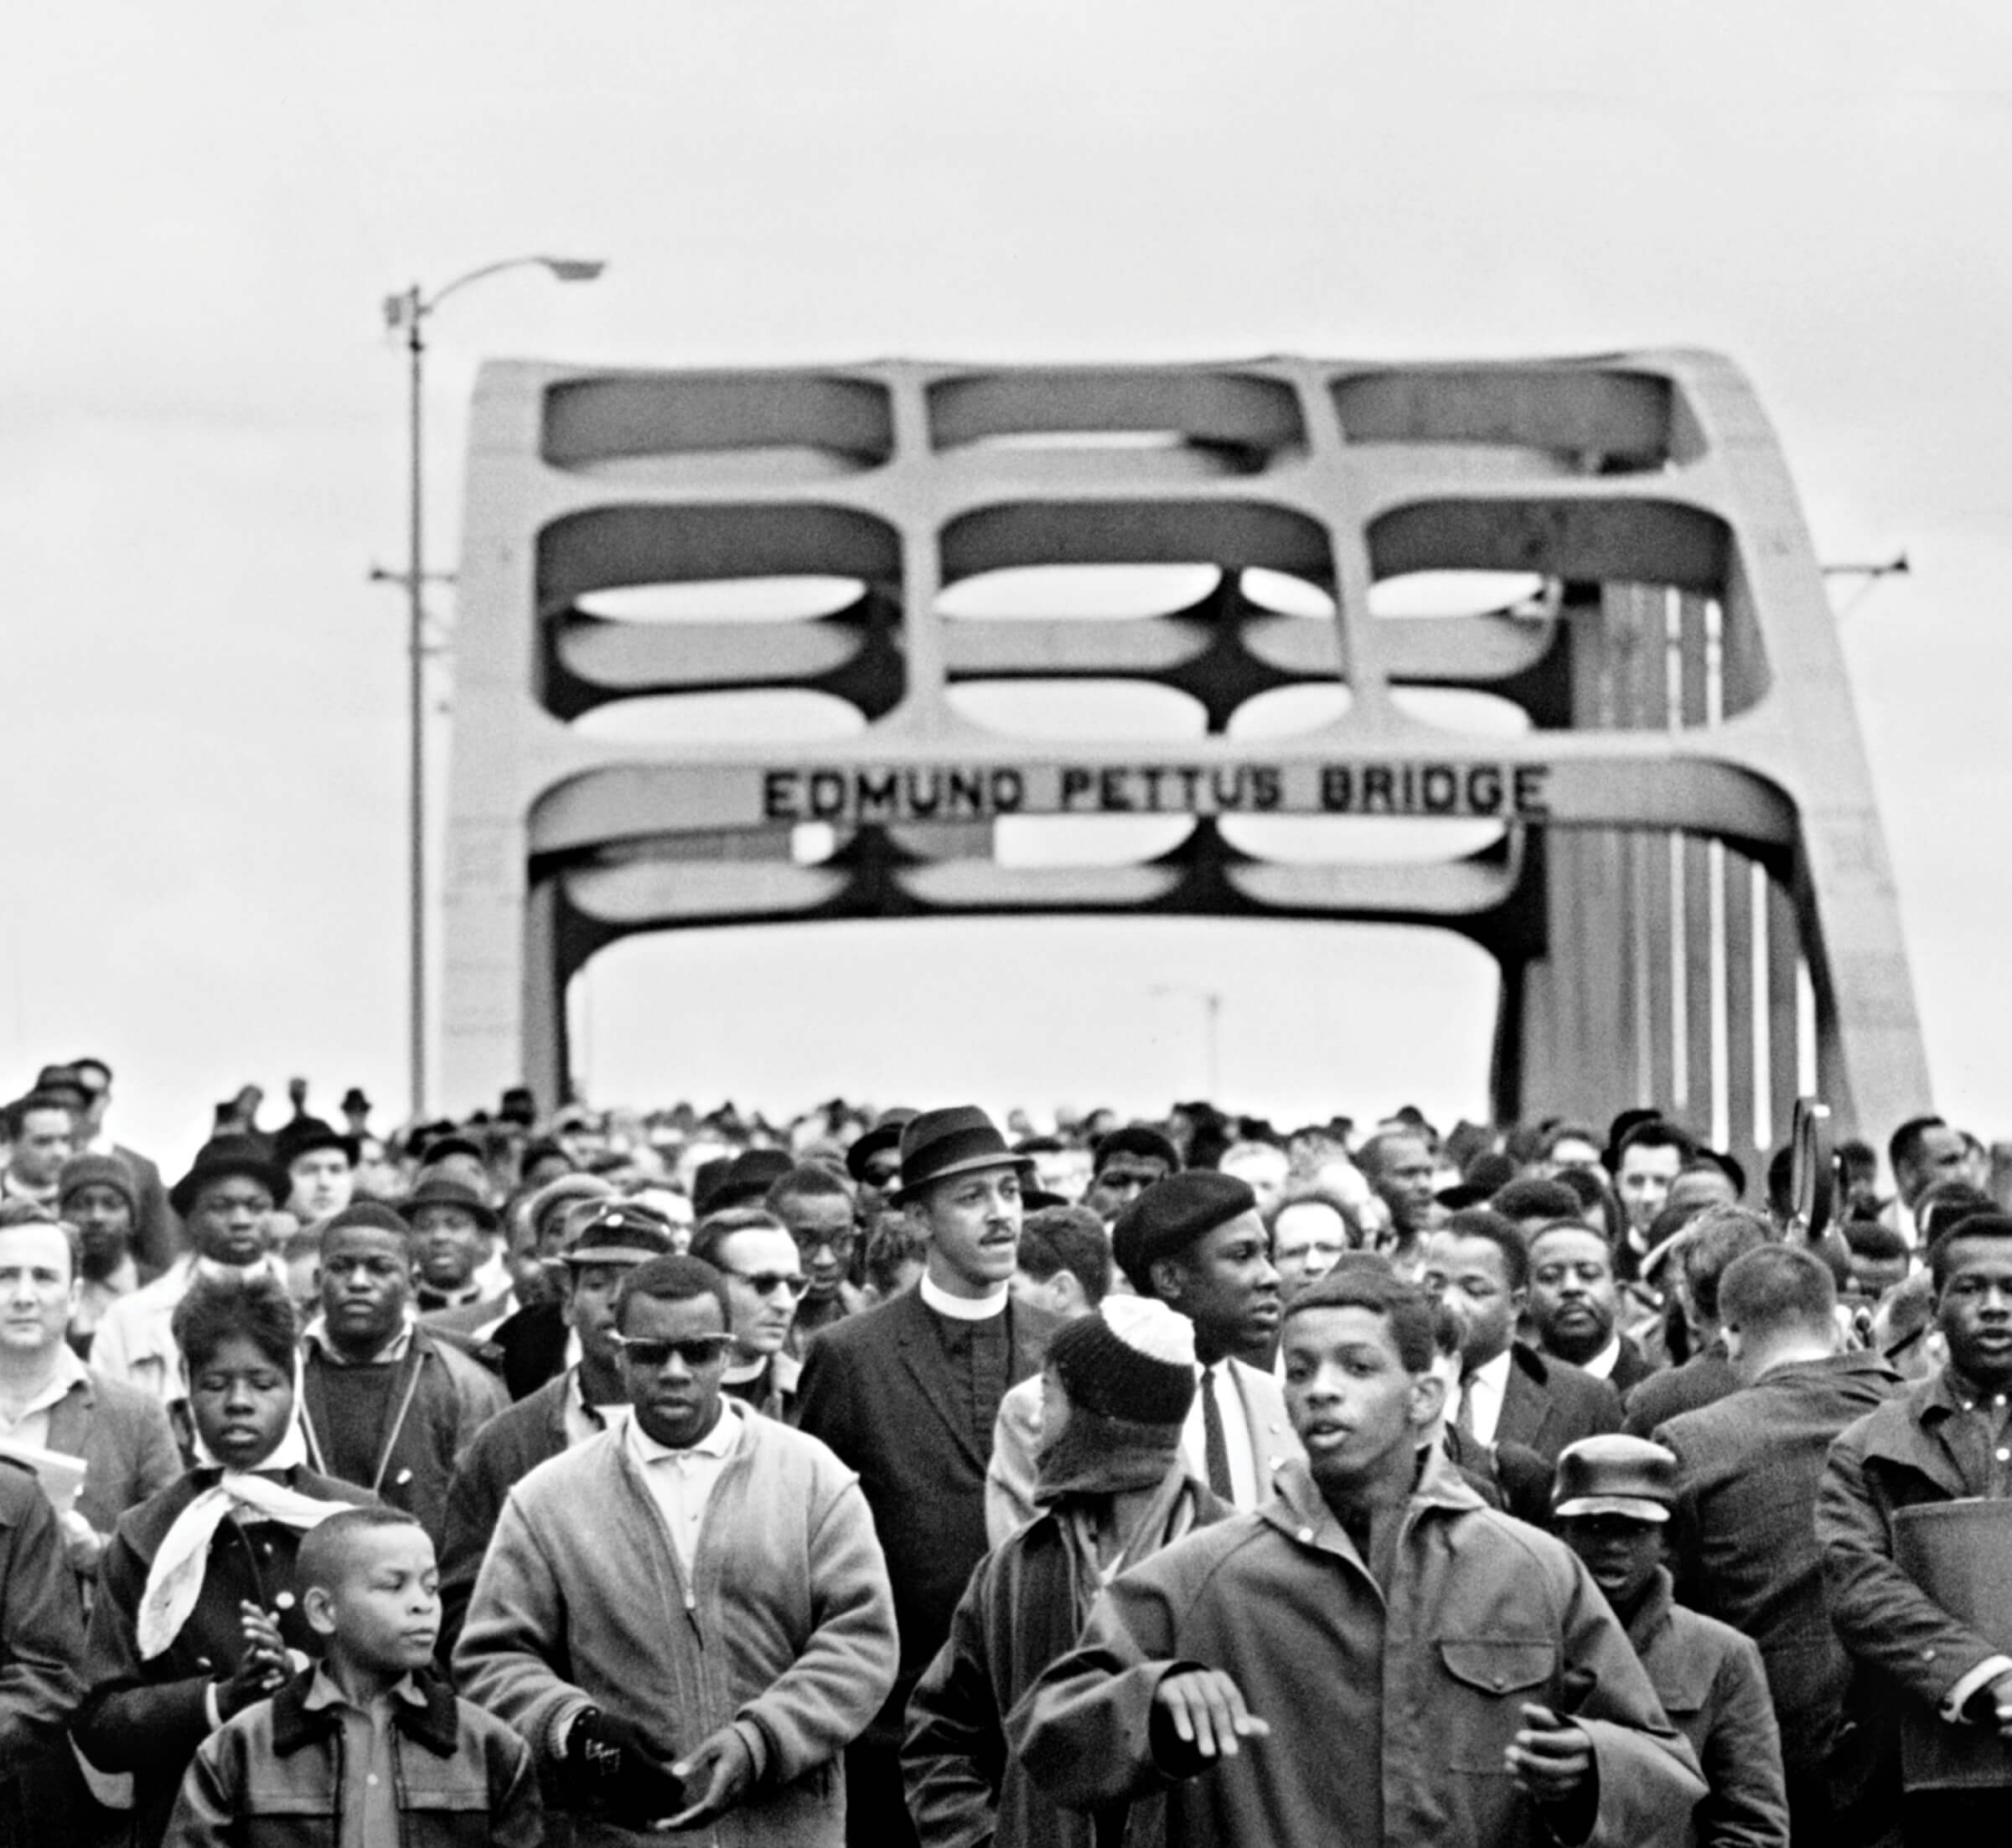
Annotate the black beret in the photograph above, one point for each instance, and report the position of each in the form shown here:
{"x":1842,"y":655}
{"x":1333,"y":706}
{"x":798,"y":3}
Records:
{"x":1171,"y":1214}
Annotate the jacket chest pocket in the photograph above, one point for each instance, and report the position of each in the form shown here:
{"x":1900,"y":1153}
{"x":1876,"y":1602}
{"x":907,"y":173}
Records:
{"x":1491,"y":1679}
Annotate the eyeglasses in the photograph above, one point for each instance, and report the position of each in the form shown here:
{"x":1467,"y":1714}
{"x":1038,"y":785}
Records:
{"x":766,"y":1283}
{"x":695,"y":1351}
{"x":840,"y":1242}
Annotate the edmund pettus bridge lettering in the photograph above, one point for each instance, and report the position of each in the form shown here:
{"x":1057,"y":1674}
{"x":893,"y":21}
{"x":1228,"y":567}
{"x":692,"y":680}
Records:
{"x":853,"y":793}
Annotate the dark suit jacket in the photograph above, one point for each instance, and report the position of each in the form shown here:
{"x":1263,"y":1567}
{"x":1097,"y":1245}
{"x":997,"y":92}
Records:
{"x":1547,"y":1405}
{"x":147,"y":1717}
{"x":1743,"y":1538}
{"x":157,"y":1234}
{"x":1702,"y":1380}
{"x":506,"y":1450}
{"x":127,"y":1443}
{"x":1631,"y":1368}
{"x":874,"y":1388}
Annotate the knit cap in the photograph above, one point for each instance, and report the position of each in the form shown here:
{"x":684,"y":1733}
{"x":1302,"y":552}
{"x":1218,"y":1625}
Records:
{"x":98,"y":1170}
{"x":1134,"y":1359}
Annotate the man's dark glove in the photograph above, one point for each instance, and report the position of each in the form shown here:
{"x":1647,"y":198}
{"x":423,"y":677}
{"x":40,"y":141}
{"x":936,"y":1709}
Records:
{"x":612,"y":1770}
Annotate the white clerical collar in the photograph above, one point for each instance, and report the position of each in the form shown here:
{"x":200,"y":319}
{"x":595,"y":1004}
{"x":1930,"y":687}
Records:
{"x":963,"y":1308}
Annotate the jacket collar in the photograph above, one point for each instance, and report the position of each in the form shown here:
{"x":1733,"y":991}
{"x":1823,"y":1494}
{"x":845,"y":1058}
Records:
{"x":434,"y":1724}
{"x":1653,"y":1611}
{"x":1298,"y":1509}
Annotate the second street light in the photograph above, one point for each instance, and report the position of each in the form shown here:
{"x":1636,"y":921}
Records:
{"x":407,"y":312}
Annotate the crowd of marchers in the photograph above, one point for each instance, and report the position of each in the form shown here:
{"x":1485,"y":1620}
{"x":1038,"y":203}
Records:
{"x":902,"y":1477}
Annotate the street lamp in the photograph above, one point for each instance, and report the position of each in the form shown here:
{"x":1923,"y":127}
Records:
{"x":407,"y":312}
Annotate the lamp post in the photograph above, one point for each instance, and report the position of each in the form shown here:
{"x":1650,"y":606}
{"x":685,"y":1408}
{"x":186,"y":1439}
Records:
{"x":407,"y":312}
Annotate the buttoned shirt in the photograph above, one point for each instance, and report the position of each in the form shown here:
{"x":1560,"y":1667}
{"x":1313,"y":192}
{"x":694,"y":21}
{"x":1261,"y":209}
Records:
{"x":368,"y":1801}
{"x":1247,"y":1486}
{"x":680,"y":1482}
{"x":1482,"y":1393}
{"x":30,"y":1425}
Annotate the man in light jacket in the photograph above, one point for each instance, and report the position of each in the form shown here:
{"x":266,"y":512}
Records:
{"x":688,"y":1617}
{"x":1372,"y":1656}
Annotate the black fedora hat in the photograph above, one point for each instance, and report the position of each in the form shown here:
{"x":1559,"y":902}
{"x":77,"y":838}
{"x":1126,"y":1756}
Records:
{"x":444,"y":1190}
{"x":937,"y":1144}
{"x":224,"y":1158}
{"x":886,"y":1133}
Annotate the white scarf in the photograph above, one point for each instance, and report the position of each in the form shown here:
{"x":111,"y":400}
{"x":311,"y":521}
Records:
{"x":175,"y":1581}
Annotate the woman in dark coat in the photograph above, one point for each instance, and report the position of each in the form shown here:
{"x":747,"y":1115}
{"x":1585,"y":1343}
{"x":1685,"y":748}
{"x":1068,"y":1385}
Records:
{"x":197,"y":1614}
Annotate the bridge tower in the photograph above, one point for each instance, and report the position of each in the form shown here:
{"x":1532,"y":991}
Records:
{"x":1682,"y":842}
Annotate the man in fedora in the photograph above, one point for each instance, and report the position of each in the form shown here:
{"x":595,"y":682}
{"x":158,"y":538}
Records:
{"x":906,"y":1392}
{"x":455,"y":1235}
{"x":226,"y":1201}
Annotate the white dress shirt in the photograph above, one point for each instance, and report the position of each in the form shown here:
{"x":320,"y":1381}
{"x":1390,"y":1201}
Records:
{"x":31,"y":1426}
{"x":1247,"y":1489}
{"x":1484,"y":1389}
{"x":680,"y":1482}
{"x":1601,"y":1365}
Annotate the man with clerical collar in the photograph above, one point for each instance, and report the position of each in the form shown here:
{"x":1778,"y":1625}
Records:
{"x":752,"y":1249}
{"x":1922,"y":1661}
{"x":581,"y":1402}
{"x":386,"y":1403}
{"x":226,"y":1201}
{"x":907,"y":1394}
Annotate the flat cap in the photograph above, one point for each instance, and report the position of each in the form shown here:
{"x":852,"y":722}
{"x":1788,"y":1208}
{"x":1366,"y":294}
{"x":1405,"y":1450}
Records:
{"x":1615,"y":1475}
{"x":1170,"y":1215}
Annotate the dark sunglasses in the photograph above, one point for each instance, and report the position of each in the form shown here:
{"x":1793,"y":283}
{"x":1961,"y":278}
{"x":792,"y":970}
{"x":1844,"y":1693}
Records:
{"x":695,"y":1352}
{"x":766,"y":1283}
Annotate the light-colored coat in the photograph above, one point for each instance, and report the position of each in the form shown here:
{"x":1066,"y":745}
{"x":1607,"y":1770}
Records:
{"x":786,"y":1623}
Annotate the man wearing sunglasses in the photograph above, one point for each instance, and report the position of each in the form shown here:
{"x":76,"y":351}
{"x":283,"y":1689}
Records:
{"x":765,"y":1279}
{"x":576,"y":1405}
{"x":689,"y":1616}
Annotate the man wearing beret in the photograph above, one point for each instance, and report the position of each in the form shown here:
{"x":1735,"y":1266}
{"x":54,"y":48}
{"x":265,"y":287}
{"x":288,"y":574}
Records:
{"x":1195,"y":1242}
{"x":906,"y":1393}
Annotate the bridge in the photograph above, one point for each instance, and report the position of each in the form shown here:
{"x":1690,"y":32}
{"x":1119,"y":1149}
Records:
{"x":1673,"y":857}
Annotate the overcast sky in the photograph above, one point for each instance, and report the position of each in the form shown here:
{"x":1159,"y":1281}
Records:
{"x":201,"y":450}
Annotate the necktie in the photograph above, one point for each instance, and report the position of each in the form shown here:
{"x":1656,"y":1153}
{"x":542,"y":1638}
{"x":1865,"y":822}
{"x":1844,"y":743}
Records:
{"x":1215,"y":1447}
{"x":1463,"y":1420}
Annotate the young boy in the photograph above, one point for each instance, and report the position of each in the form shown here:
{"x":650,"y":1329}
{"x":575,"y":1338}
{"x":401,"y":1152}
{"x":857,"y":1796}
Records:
{"x":368,"y":1746}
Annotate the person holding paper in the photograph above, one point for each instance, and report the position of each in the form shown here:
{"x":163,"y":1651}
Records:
{"x":100,"y":1446}
{"x":1949,"y":1438}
